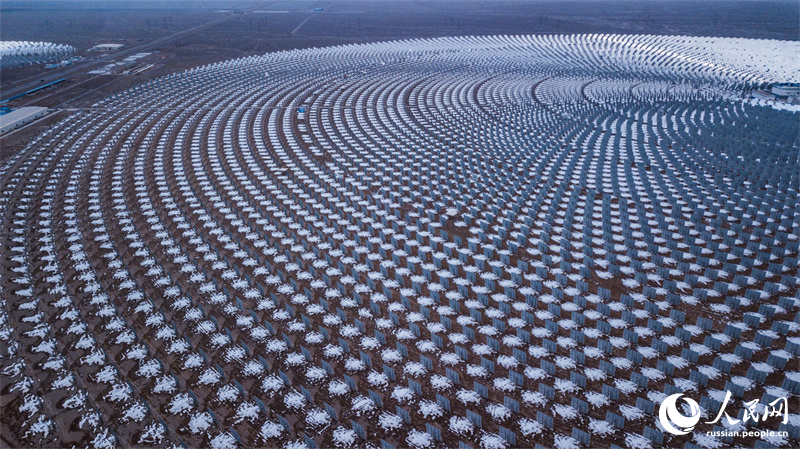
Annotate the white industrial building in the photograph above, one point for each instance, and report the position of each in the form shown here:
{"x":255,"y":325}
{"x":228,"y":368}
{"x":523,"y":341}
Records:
{"x":20,"y":117}
{"x":786,"y":89}
{"x":761,"y":95}
{"x":107,"y":47}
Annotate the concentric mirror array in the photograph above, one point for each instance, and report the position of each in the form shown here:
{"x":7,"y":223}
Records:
{"x":476,"y":242}
{"x":22,"y":53}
